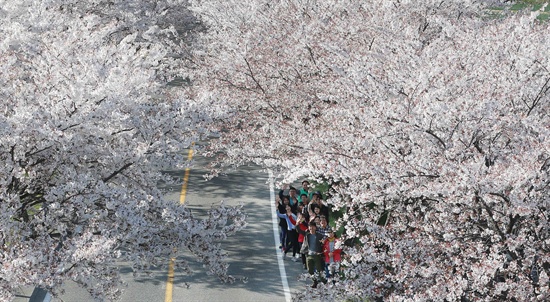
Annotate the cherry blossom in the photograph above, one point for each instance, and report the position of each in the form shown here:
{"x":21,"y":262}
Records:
{"x":88,"y":123}
{"x":428,"y":119}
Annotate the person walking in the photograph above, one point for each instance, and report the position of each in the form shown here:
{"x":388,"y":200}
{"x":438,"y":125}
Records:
{"x":313,"y":248}
{"x":283,"y":226}
{"x":291,"y":235}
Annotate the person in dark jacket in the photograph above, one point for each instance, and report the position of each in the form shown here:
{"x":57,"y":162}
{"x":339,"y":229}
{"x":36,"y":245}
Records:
{"x":313,"y":248}
{"x":281,"y":207}
{"x":291,"y":235}
{"x":317,"y":199}
{"x":293,"y":198}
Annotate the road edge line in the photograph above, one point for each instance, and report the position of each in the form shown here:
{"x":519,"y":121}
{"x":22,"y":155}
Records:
{"x":275,"y":221}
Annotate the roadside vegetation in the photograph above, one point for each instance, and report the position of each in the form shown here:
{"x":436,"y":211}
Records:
{"x":523,"y":6}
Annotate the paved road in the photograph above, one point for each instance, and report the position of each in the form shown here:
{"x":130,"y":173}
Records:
{"x":252,"y":253}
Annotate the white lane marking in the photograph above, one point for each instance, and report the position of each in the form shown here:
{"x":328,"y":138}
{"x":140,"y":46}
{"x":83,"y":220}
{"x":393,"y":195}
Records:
{"x":275,"y":221}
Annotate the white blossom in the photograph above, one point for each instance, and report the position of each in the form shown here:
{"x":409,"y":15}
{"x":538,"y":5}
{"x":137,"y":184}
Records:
{"x":87,"y":125}
{"x":431,"y":110}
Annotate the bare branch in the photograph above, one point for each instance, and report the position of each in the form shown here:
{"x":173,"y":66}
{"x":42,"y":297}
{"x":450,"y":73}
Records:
{"x":545,"y":88}
{"x":253,"y":77}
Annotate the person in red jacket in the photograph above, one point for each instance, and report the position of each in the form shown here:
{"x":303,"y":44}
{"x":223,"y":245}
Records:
{"x":333,"y":253}
{"x":302,"y":225}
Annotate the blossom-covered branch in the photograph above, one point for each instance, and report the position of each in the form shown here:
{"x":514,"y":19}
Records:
{"x":87,"y":124}
{"x":434,"y":112}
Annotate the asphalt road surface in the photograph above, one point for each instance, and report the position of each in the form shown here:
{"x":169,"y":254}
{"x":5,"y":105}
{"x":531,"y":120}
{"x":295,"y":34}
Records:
{"x":253,"y":253}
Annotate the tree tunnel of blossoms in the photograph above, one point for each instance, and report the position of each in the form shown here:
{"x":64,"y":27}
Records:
{"x":429,"y":116}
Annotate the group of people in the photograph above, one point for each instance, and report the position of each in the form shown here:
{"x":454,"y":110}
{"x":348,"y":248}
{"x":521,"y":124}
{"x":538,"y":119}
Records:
{"x":304,"y":231}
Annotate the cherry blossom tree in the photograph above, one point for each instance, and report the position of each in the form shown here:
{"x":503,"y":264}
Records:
{"x":430,"y":120}
{"x":88,"y":124}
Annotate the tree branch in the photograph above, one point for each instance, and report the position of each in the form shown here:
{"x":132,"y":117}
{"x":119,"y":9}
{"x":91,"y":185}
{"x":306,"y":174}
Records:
{"x":29,"y":154}
{"x":253,"y":77}
{"x":123,"y":130}
{"x":490,"y":214}
{"x":429,"y":131}
{"x":539,"y":96}
{"x":117,"y":172}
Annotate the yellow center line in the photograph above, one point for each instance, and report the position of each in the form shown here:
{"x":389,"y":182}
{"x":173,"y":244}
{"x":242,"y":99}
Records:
{"x":170,"y":279}
{"x":186,"y":177}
